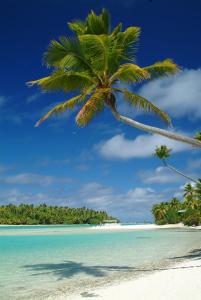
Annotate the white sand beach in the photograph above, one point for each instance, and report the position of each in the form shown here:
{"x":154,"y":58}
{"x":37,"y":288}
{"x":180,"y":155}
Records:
{"x":42,"y":229}
{"x":179,"y":282}
{"x":136,"y":227}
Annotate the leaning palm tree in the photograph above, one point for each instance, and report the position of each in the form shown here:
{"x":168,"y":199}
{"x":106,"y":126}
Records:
{"x":163,"y":152}
{"x":94,"y":61}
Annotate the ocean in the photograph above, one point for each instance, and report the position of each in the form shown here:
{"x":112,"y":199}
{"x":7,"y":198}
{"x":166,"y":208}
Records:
{"x":44,"y":262}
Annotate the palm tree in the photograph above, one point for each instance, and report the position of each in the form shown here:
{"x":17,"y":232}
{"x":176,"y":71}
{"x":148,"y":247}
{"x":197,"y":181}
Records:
{"x":160,"y":210}
{"x":93,"y":62}
{"x":163,"y":152}
{"x":175,"y":203}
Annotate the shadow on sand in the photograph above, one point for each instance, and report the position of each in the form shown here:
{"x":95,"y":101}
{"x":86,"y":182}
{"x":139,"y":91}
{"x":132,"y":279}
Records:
{"x":68,"y":269}
{"x":193,"y":254}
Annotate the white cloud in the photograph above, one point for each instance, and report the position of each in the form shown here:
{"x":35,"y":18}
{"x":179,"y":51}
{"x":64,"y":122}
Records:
{"x":179,"y":95}
{"x":142,"y":146}
{"x":16,"y":196}
{"x":134,"y":204}
{"x":35,"y":179}
{"x":194,"y":164}
{"x":160,"y":175}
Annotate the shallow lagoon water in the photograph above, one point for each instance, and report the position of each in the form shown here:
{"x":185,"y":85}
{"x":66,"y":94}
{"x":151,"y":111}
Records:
{"x":37,"y":262}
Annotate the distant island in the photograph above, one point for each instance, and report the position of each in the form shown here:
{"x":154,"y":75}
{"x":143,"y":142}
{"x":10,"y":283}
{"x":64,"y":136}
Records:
{"x":25,"y":214}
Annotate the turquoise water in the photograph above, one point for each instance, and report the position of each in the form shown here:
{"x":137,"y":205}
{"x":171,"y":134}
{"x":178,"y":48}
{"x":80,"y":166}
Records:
{"x":41,"y":261}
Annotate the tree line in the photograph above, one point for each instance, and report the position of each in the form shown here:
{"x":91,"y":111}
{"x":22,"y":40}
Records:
{"x":43,"y":214}
{"x":188,"y":210}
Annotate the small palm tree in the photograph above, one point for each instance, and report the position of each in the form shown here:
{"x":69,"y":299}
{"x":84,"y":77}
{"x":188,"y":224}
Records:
{"x":93,"y":62}
{"x":163,"y":152}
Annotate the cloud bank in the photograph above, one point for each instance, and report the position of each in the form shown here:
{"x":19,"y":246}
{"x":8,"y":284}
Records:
{"x":119,"y":147}
{"x":160,"y":175}
{"x":179,"y":95}
{"x":34,"y":179}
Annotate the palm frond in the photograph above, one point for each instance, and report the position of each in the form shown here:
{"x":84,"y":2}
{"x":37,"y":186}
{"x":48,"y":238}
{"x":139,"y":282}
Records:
{"x":94,"y":24}
{"x":94,"y":105}
{"x":62,"y":107}
{"x":130,"y":73}
{"x":131,"y":35}
{"x":127,"y":42}
{"x":198,"y":136}
{"x":117,"y":29}
{"x":122,"y":47}
{"x":67,"y":53}
{"x":97,"y":49}
{"x":66,"y":81}
{"x":144,"y":104}
{"x":162,"y":68}
{"x":98,"y":24}
{"x":106,"y":19}
{"x":78,"y":27}
{"x":162,"y":152}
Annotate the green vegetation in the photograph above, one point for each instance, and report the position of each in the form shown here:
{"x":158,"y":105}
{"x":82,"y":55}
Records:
{"x":198,"y":136}
{"x":187,"y":211}
{"x":92,"y":63}
{"x":43,"y":214}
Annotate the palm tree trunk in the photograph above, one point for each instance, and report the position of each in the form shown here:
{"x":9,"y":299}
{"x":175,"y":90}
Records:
{"x":151,"y":129}
{"x":177,"y":171}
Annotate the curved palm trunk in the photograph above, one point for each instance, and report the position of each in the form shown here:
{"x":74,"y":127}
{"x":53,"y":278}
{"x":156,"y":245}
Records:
{"x":148,"y":128}
{"x":177,"y":171}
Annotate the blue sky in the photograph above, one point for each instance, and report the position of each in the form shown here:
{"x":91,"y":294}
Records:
{"x":106,"y":165}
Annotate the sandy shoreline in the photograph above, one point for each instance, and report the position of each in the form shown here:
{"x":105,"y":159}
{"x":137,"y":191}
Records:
{"x":53,"y":230}
{"x":136,"y":227}
{"x":178,"y":282}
